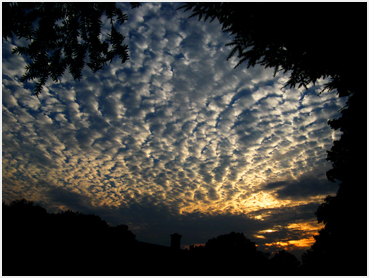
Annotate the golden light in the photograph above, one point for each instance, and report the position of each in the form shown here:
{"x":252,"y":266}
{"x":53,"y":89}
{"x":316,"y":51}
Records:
{"x":278,"y":244}
{"x":266,"y":231}
{"x":304,"y":242}
{"x":292,"y":244}
{"x":307,"y":226}
{"x":307,"y":231}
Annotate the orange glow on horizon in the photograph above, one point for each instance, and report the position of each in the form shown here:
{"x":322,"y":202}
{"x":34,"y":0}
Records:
{"x":306,"y":229}
{"x":292,"y":244}
{"x":304,"y":242}
{"x":195,"y":245}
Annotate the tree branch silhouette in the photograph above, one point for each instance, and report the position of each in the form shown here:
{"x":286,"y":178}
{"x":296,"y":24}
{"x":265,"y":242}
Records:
{"x":61,"y":35}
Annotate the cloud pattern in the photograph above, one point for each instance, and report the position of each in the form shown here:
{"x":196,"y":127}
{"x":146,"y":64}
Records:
{"x":174,"y":140}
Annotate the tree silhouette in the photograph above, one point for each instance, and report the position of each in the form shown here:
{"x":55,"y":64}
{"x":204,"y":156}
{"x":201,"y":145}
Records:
{"x":288,"y":48}
{"x":23,"y":229}
{"x":234,"y":242}
{"x":340,"y":247}
{"x":232,"y":254}
{"x":61,"y":34}
{"x":298,"y":47}
{"x":68,"y":243}
{"x":284,"y":263}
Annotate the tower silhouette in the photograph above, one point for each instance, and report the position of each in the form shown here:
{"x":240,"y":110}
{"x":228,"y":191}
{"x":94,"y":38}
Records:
{"x":175,"y":241}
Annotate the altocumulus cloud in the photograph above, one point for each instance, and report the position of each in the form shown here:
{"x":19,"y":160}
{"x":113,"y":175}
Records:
{"x":174,"y":140}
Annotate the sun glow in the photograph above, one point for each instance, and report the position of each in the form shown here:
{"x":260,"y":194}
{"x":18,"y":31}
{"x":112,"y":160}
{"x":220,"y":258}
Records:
{"x":267,"y":231}
{"x":307,"y":226}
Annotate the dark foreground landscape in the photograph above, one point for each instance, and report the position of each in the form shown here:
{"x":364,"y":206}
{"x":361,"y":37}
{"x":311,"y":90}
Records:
{"x":36,"y":242}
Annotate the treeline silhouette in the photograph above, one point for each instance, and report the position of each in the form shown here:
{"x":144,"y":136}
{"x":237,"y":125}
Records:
{"x":36,"y":242}
{"x":39,"y":243}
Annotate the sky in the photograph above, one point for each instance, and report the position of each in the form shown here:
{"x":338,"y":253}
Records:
{"x":175,"y":140}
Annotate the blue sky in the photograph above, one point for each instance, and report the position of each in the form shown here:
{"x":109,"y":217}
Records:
{"x":173,"y":140}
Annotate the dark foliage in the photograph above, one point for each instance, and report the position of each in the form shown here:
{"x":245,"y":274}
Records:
{"x":340,"y":247}
{"x":61,"y":34}
{"x":284,"y":263}
{"x":307,"y":41}
{"x":233,"y":242}
{"x":68,"y":243}
{"x":232,"y":254}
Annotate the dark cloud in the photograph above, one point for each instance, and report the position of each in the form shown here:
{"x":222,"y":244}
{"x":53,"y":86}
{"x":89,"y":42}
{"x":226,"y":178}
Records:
{"x":274,"y":185}
{"x":306,"y":187}
{"x":281,"y":216}
{"x":70,"y":199}
{"x":244,"y":93}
